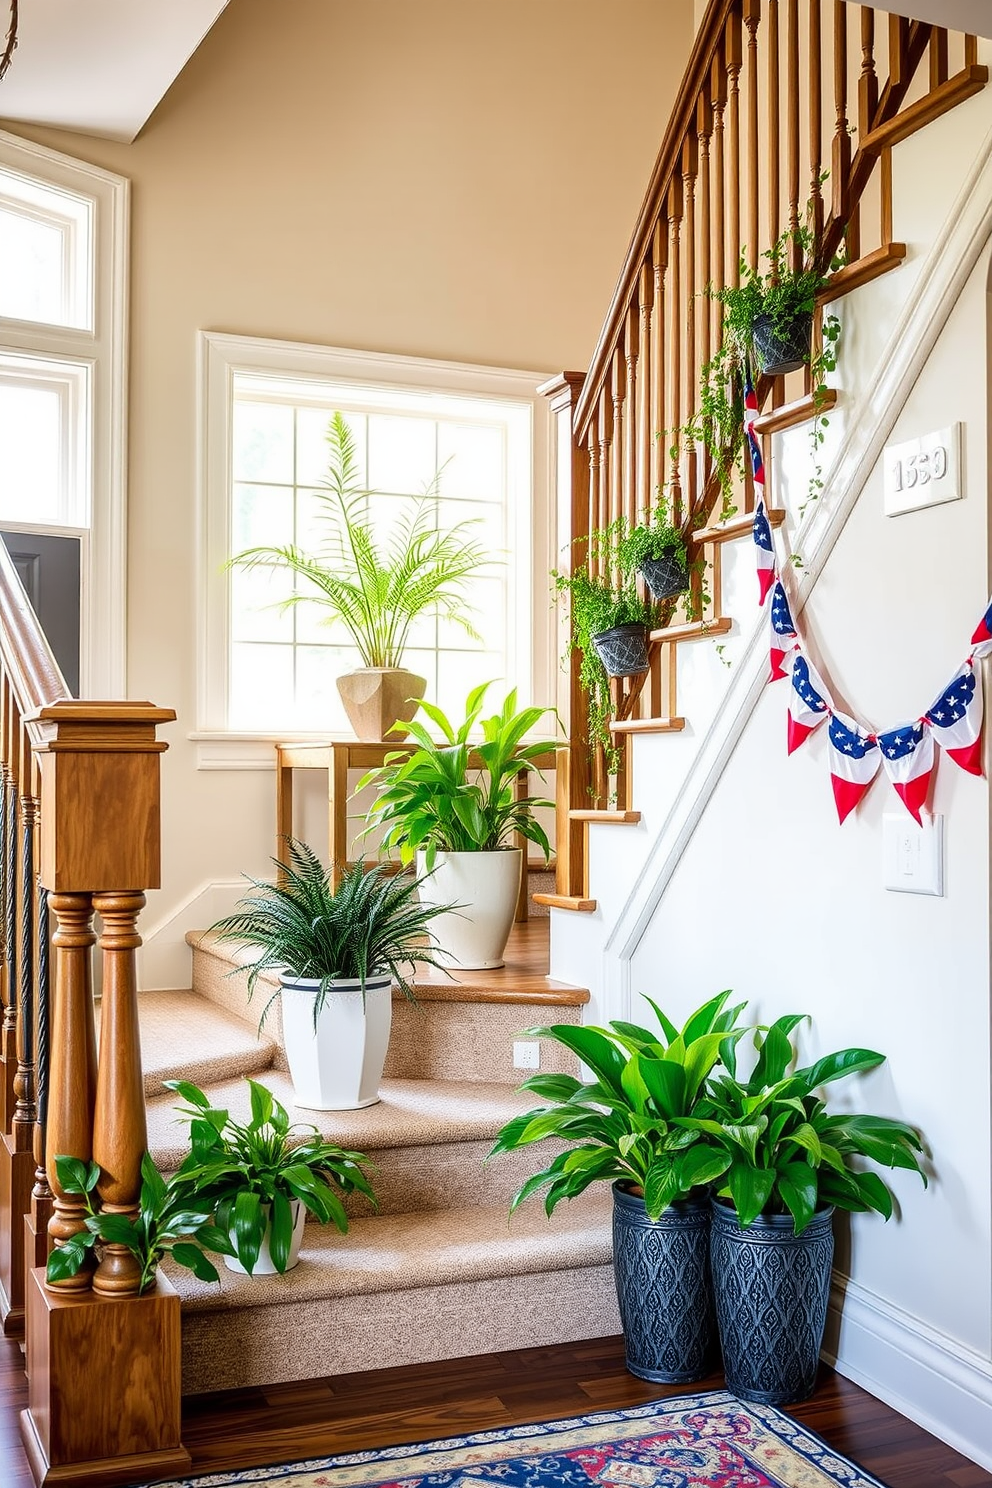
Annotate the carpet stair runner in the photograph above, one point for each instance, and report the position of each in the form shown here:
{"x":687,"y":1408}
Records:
{"x":439,"y":1271}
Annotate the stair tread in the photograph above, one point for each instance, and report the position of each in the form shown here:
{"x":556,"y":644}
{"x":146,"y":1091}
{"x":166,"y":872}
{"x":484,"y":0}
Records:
{"x":411,"y":1113}
{"x":401,"y":1252}
{"x":186,"y":1036}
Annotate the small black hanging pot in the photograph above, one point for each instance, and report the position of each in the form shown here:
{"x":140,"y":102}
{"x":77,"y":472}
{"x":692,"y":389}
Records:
{"x":665,"y":576}
{"x":623,"y":650}
{"x":783,"y":348}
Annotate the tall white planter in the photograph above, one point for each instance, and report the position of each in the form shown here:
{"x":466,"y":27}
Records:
{"x":485,"y":885}
{"x":337,"y":1067}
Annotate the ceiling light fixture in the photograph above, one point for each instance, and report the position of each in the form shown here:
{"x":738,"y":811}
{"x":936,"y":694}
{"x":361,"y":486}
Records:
{"x":11,"y":41}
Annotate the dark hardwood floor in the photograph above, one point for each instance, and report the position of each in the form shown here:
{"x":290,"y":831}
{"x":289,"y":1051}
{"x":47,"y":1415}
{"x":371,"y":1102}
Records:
{"x":286,"y":1422}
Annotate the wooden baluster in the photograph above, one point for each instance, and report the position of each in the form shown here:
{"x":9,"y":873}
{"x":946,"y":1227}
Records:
{"x":675,"y":345}
{"x":595,"y":473}
{"x":659,"y":258}
{"x":8,"y":809}
{"x":898,"y":50}
{"x":774,"y":145}
{"x":752,"y":15}
{"x":629,"y":504}
{"x":792,"y":106}
{"x":16,"y":1146}
{"x":815,"y":122}
{"x":690,"y":167}
{"x":704,"y":130}
{"x":734,"y":62}
{"x":868,"y":81}
{"x":36,"y":1235}
{"x":840,"y":166}
{"x":938,"y":57}
{"x":971,"y":51}
{"x":643,"y":501}
{"x":718,"y":87}
{"x":8,"y":1030}
{"x":597,"y":561}
{"x":618,"y":388}
{"x":72,"y":1074}
{"x":119,"y":1132}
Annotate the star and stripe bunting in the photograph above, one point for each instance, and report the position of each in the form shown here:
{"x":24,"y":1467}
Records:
{"x":908,"y":753}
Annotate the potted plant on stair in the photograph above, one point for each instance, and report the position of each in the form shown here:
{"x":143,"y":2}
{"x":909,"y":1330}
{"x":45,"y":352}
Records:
{"x":262,"y":1177}
{"x":337,"y":955}
{"x":656,"y":550}
{"x":624,"y":1128}
{"x":452,"y":805}
{"x":791,"y":1164}
{"x":376,"y":588}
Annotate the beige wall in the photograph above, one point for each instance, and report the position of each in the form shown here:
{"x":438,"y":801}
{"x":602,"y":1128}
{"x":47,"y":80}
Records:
{"x":443,"y":178}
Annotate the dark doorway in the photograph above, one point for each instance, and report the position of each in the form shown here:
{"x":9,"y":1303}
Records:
{"x":48,"y":567}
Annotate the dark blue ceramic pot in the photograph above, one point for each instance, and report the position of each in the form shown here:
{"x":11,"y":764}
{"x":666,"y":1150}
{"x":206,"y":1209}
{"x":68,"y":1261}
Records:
{"x":771,"y":1288}
{"x":662,"y":1273}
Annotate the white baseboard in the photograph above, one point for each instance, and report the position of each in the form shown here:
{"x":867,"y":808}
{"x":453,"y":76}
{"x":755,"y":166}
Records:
{"x":935,"y":1381}
{"x":165,"y":960}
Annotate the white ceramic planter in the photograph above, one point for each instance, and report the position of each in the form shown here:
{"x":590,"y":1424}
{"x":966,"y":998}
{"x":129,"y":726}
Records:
{"x":264,"y":1265}
{"x":339,"y":1067}
{"x":486,"y":884}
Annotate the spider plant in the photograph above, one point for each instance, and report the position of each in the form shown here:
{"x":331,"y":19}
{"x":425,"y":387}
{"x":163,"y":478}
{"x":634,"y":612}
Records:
{"x":251,"y":1172}
{"x":372,"y":924}
{"x":376,"y":588}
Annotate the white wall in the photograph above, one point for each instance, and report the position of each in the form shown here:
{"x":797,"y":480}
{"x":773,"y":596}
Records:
{"x":768,"y":895}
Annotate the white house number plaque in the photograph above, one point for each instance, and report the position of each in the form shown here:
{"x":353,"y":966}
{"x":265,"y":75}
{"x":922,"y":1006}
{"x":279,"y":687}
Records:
{"x":923,"y":472}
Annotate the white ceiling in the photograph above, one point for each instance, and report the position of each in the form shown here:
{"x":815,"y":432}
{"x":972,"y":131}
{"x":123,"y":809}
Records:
{"x":99,"y":66}
{"x":971,"y":16}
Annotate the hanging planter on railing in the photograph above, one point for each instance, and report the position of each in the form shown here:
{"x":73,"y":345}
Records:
{"x":666,"y":577}
{"x":623,"y":650}
{"x":782,"y":345}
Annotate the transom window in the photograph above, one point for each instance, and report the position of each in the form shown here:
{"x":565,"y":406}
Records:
{"x":473,"y":449}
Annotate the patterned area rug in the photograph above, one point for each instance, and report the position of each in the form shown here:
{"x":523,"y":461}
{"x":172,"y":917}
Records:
{"x":691,"y":1441}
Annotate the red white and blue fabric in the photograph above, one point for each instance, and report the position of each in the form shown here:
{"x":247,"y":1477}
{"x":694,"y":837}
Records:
{"x":855,"y":760}
{"x":982,"y":639}
{"x":956,"y":718}
{"x":909,"y":759}
{"x":784,"y":640}
{"x":764,"y":552}
{"x":809,"y":703}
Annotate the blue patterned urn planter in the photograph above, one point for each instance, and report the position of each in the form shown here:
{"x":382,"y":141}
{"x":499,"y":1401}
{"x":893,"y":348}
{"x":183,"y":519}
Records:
{"x":662,"y":1271}
{"x":771,"y":1288}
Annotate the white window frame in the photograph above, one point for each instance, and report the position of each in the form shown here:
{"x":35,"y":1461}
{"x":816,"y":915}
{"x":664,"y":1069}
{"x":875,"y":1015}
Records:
{"x":102,"y":352}
{"x":220,"y":357}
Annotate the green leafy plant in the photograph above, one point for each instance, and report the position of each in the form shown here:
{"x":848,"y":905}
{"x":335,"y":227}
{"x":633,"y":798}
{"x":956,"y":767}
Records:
{"x":597,"y":604}
{"x":377,"y":590}
{"x":654,"y":537}
{"x":782,"y":293}
{"x":251,"y":1172}
{"x":787,"y":1153}
{"x":625,"y":1124}
{"x":435,"y":798}
{"x":372,"y":924}
{"x":170,"y":1221}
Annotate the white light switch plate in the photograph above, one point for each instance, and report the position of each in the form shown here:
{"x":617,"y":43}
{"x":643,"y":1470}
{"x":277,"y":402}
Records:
{"x":923,"y":472}
{"x":526,"y":1054}
{"x":914,"y":856}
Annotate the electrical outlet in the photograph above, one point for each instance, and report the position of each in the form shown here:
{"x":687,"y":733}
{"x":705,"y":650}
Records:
{"x":526,"y":1054}
{"x":914,"y":855}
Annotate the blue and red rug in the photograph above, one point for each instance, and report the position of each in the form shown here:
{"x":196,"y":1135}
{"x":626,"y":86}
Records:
{"x":710,"y":1440}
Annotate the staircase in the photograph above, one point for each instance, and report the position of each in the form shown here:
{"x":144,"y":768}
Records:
{"x":439,"y":1271}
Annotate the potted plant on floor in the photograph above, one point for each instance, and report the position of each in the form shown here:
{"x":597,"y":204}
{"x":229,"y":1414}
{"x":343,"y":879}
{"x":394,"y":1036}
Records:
{"x":624,"y":1128}
{"x":262,"y":1177}
{"x":452,"y":805}
{"x":337,"y":955}
{"x":376,"y":588}
{"x":790,"y":1166}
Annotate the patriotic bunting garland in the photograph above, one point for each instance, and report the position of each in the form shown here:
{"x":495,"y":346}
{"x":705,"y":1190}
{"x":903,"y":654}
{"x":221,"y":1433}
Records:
{"x":907,"y":753}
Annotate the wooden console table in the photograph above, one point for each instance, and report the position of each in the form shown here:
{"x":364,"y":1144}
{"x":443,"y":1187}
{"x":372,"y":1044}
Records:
{"x":337,"y":757}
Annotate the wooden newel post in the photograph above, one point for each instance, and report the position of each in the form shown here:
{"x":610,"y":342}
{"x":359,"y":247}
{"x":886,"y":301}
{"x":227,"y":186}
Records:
{"x":100,"y":849}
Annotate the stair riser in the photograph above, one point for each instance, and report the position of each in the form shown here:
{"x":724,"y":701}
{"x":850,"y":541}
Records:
{"x":308,"y":1339}
{"x":430,"y":1040}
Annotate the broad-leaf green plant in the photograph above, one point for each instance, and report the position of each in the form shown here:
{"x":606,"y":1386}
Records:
{"x":435,"y":798}
{"x":372,"y":924}
{"x":787,"y":1153}
{"x":251,"y":1172}
{"x":171,"y":1221}
{"x":376,"y":587}
{"x":623,"y":1126}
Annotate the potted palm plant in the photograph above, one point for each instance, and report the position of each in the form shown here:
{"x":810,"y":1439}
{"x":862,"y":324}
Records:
{"x":337,"y":955}
{"x":791,"y":1162}
{"x":624,"y":1127}
{"x":375,"y":588}
{"x":262,"y":1177}
{"x":451,"y":804}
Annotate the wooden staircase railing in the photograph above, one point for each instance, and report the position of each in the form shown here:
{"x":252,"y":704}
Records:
{"x":787,"y":114}
{"x":79,"y":836}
